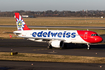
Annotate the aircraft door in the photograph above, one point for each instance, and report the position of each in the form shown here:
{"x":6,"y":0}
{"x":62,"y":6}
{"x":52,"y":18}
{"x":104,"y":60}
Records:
{"x":85,"y":35}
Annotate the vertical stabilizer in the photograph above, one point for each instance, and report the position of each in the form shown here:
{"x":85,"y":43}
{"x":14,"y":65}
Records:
{"x":21,"y":25}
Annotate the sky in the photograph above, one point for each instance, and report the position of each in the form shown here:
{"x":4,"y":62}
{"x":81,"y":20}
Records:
{"x":43,"y":5}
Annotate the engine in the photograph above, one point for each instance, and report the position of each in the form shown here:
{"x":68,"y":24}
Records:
{"x":57,"y":44}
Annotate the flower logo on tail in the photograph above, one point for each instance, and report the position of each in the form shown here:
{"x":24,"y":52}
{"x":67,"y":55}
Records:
{"x":20,"y":23}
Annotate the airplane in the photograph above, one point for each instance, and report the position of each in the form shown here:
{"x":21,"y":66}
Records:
{"x":56,"y":38}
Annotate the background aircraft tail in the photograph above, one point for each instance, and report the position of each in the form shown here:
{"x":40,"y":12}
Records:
{"x":21,"y":25}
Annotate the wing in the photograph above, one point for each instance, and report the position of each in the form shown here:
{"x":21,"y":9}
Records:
{"x":44,"y":39}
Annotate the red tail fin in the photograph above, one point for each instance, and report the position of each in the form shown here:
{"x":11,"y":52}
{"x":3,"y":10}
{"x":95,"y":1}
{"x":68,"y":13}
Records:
{"x":21,"y":25}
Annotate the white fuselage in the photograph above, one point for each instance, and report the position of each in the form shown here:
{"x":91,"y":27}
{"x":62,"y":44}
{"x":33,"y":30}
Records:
{"x":68,"y":36}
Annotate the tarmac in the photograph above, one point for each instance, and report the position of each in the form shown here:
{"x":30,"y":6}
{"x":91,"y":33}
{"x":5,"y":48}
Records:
{"x":19,"y":65}
{"x":25,"y":46}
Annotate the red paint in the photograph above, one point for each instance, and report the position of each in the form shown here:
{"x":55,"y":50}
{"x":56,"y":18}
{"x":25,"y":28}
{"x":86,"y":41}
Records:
{"x":10,"y":36}
{"x":87,"y":36}
{"x":26,"y":27}
{"x":17,"y":15}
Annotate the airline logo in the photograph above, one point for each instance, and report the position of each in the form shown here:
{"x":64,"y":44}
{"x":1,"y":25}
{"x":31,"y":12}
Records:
{"x":64,"y":34}
{"x":20,"y":23}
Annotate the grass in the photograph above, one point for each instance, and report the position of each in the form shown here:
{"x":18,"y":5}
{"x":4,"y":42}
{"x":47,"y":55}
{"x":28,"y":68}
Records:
{"x":50,"y":58}
{"x":3,"y":31}
{"x":56,"y":21}
{"x":52,"y":21}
